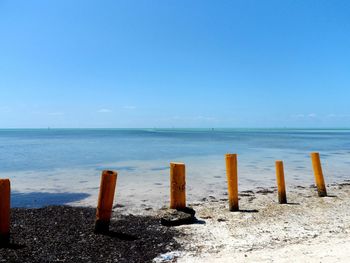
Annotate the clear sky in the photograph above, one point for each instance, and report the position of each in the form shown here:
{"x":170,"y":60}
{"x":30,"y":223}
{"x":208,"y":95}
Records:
{"x":70,"y":63}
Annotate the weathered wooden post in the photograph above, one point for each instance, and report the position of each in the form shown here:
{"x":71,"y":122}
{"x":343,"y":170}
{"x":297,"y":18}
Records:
{"x":232,"y":181}
{"x":282,"y":198}
{"x":316,"y":164}
{"x":5,"y":192}
{"x":105,"y":201}
{"x":177,"y":186}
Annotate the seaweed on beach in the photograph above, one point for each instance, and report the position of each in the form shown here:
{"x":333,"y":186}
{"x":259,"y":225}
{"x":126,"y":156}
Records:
{"x":65,"y":234}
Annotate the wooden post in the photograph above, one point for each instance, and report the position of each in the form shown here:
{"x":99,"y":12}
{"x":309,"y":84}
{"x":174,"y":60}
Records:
{"x":177,"y":186}
{"x":105,"y":201}
{"x":232,"y":181}
{"x":282,"y":198}
{"x":316,"y":164}
{"x":4,"y":211}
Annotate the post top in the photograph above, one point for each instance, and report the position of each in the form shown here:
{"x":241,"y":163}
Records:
{"x":109,"y":172}
{"x":5,"y":181}
{"x":176,"y":163}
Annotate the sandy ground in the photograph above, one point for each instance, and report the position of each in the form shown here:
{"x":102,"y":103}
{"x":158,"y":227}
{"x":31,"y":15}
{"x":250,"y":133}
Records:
{"x":307,"y":229}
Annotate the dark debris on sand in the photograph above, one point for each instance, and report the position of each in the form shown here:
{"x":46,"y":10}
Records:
{"x":65,"y":234}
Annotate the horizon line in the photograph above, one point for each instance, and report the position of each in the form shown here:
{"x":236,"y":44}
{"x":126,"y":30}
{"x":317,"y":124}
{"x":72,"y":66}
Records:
{"x":175,"y":128}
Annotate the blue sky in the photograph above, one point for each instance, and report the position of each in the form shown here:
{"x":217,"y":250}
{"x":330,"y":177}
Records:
{"x":174,"y":63}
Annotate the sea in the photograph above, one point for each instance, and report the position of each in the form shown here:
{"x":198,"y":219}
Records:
{"x":63,"y":166}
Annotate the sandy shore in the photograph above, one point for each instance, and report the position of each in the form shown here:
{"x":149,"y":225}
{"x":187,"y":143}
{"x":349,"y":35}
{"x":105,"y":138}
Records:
{"x":307,"y":229}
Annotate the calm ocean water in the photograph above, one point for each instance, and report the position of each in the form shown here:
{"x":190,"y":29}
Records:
{"x":49,"y":166}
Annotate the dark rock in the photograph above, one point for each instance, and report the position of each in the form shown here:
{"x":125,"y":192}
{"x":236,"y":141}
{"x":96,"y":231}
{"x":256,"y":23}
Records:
{"x":177,"y":217}
{"x":188,"y":210}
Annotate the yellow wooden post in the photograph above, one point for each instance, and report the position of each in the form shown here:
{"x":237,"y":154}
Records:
{"x":177,"y":186}
{"x":316,"y":164}
{"x":105,"y":201}
{"x":282,"y":198}
{"x":4,"y":211}
{"x":232,"y":181}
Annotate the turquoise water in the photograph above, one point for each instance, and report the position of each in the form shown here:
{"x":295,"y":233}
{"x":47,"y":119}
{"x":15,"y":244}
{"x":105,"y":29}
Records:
{"x":64,"y":162}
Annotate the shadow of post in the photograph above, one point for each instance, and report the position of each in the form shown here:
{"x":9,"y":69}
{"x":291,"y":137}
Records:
{"x":41,"y":199}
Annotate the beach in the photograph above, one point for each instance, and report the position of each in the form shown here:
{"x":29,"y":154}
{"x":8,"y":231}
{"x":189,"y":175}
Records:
{"x":307,"y":229}
{"x":55,"y":178}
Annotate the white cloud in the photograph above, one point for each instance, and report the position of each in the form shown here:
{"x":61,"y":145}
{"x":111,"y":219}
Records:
{"x":104,"y":111}
{"x":304,"y":116}
{"x":312,"y":115}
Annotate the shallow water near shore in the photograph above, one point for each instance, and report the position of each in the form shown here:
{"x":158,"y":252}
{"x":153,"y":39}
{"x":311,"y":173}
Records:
{"x":60,"y":166}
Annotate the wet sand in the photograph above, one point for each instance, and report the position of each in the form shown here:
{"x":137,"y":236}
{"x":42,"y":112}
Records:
{"x":143,"y":183}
